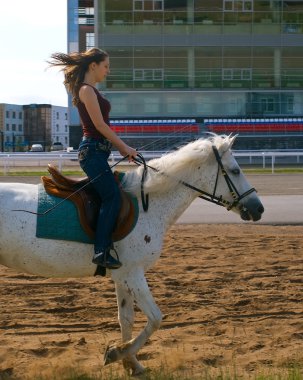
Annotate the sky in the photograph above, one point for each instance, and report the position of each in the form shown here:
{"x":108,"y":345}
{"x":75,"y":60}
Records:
{"x":30,"y":31}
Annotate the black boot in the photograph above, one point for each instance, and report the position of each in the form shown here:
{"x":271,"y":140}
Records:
{"x":104,"y":259}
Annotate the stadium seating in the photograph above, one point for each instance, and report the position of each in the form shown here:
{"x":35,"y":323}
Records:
{"x":254,"y":125}
{"x":170,"y":126}
{"x":156,"y":134}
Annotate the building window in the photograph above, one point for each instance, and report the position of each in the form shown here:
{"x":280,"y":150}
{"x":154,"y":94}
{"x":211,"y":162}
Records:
{"x":14,"y":115}
{"x":246,"y":74}
{"x":57,"y":127}
{"x":290,"y":104}
{"x":7,"y":127}
{"x":236,"y":74}
{"x":90,"y":42}
{"x":158,"y":5}
{"x":66,"y":130}
{"x":267,"y":105}
{"x":65,"y":116}
{"x":7,"y":114}
{"x":20,"y":127}
{"x":148,"y":74}
{"x":57,"y":115}
{"x":86,"y":21}
{"x":151,"y":105}
{"x":238,"y":5}
{"x":14,"y":127}
{"x":86,"y":11}
{"x":138,"y":5}
{"x":148,"y":5}
{"x":173,"y":105}
{"x":20,"y":115}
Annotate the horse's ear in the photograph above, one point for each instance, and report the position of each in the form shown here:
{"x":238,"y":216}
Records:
{"x":232,"y":140}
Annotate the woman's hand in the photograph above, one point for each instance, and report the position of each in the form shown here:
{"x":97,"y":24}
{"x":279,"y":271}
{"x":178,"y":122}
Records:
{"x":128,"y":151}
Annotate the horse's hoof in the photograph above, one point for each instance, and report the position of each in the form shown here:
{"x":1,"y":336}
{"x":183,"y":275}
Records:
{"x":110,"y":355}
{"x":141,"y":372}
{"x":133,"y":367}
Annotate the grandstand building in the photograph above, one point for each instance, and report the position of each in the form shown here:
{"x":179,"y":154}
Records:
{"x":183,"y":67}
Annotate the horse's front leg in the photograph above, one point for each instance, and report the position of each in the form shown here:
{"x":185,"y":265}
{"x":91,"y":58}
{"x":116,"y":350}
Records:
{"x":126,"y":315}
{"x":136,"y":285}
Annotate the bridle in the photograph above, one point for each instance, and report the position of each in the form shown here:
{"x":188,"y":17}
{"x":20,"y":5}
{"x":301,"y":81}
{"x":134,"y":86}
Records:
{"x":231,"y":186}
{"x":213,"y":198}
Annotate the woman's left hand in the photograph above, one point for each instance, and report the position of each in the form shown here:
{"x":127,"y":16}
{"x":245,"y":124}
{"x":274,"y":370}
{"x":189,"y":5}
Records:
{"x":128,"y":151}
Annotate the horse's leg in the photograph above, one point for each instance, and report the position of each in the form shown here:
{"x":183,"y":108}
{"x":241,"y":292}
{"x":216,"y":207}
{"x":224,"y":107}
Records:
{"x":137,"y":286}
{"x":126,"y":315}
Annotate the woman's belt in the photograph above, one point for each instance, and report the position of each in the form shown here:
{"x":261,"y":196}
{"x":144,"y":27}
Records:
{"x":103,"y":144}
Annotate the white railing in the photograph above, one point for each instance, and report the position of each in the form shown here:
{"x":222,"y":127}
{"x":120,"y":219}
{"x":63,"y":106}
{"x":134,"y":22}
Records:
{"x":272,"y":156}
{"x":64,"y":159}
{"x":37,"y":160}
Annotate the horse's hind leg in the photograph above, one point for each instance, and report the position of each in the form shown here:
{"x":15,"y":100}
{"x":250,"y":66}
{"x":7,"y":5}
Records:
{"x":126,"y":315}
{"x":137,"y":286}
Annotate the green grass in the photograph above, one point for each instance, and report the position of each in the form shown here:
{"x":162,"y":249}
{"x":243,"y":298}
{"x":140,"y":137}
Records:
{"x":77,"y":173}
{"x":268,"y":170}
{"x":293,"y":373}
{"x":38,"y":173}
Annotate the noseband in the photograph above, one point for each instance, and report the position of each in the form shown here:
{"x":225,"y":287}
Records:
{"x":213,"y":198}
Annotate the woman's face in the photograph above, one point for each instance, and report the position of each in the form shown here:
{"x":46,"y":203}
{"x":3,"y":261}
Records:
{"x":102,"y":70}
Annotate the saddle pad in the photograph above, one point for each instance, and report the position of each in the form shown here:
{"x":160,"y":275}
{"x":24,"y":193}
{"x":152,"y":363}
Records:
{"x":62,"y":223}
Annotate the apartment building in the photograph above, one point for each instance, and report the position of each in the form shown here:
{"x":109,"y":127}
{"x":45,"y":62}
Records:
{"x":59,"y":126}
{"x":24,"y":125}
{"x":11,"y":127}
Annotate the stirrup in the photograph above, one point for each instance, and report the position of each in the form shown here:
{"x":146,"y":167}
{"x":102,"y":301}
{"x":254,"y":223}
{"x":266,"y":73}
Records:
{"x":106,"y":260}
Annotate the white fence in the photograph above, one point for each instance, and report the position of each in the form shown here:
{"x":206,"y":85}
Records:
{"x":271,"y":158}
{"x":68,"y":160}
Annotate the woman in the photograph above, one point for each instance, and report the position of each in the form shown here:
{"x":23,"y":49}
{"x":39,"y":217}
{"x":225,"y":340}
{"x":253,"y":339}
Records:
{"x":82,"y":72}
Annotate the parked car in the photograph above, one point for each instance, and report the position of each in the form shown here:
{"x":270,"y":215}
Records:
{"x":36,"y":148}
{"x":57,"y":146}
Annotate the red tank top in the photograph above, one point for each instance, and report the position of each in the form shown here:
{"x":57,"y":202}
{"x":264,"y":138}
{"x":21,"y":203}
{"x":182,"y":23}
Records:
{"x":88,"y":127}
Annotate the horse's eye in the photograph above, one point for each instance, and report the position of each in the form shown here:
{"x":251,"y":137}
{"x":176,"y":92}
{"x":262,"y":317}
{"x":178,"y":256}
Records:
{"x":236,"y":171}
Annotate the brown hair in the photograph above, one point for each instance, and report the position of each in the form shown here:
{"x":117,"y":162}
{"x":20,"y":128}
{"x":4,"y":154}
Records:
{"x":75,"y":65}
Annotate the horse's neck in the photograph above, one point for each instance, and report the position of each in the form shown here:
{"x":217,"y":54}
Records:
{"x":171,"y":205}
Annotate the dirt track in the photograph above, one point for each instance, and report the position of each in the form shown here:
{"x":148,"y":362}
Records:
{"x":231,"y":297}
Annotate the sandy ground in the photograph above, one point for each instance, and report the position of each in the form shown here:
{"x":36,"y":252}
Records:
{"x":231,"y":296}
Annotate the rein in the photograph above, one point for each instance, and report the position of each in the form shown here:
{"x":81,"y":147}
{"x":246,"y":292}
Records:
{"x":144,"y":197}
{"x":218,"y":200}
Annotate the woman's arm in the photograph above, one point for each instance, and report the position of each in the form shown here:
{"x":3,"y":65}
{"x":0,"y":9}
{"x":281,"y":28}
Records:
{"x":89,"y":98}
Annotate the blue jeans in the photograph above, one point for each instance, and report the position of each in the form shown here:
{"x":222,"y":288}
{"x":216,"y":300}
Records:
{"x":93,"y":161}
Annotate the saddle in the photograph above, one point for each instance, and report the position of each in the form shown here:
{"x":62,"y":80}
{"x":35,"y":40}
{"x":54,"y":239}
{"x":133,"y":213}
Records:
{"x":88,"y":202}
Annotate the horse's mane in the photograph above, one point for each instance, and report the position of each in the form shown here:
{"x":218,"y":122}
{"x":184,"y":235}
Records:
{"x":177,"y":165}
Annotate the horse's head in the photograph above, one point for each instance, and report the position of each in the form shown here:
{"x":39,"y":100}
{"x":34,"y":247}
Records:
{"x":208,"y":168}
{"x":230,"y":187}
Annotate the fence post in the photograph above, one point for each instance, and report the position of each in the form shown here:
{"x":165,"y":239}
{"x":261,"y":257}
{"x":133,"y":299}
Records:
{"x":60,"y":162}
{"x":6,"y":170}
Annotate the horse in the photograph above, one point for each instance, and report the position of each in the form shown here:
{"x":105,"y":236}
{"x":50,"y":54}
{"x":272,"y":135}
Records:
{"x":205,"y":167}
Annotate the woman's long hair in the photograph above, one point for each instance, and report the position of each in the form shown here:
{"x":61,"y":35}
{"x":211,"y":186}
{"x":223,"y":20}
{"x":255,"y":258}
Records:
{"x":74,"y":67}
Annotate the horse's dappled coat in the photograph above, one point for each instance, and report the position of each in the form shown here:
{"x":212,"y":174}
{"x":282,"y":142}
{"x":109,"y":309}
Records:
{"x":195,"y":163}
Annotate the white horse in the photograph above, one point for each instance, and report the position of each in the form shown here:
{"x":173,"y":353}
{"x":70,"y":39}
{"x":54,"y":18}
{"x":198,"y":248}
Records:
{"x":205,"y":166}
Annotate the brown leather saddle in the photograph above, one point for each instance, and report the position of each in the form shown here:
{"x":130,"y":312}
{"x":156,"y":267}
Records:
{"x":88,"y":202}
